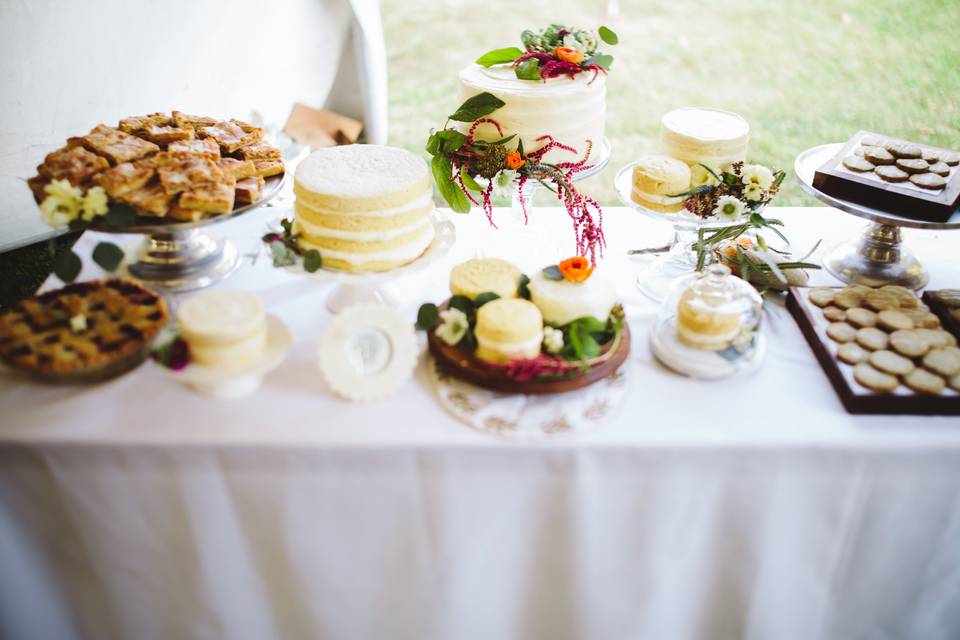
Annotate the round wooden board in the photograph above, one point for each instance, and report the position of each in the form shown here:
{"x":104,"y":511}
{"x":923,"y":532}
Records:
{"x":463,"y":364}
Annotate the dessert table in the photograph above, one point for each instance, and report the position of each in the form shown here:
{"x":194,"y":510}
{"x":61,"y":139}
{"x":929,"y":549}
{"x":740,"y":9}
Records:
{"x":751,"y":507}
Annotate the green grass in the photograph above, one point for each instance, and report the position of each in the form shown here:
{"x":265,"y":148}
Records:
{"x":802,"y":73}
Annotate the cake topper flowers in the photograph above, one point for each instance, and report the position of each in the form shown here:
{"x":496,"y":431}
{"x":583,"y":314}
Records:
{"x":555,"y":51}
{"x":467,"y":170}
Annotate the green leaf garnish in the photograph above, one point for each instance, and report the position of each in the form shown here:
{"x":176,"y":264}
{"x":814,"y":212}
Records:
{"x":120,"y":216}
{"x":528,"y":70}
{"x":552,"y":273}
{"x":312,"y":260}
{"x":108,"y":256}
{"x":523,"y":289}
{"x":499,"y":56}
{"x":470,"y":182}
{"x":455,"y":197}
{"x":602,"y":59}
{"x":476,"y":107}
{"x":281,"y":255}
{"x":608,"y":35}
{"x":67,"y":265}
{"x":427,"y":316}
{"x":484,"y":298}
{"x":463,"y":303}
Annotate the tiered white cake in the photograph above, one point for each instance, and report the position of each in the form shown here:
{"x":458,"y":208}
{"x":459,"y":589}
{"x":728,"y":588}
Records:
{"x":572,"y":110}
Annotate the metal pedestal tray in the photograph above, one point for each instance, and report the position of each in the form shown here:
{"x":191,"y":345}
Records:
{"x":877,"y":257}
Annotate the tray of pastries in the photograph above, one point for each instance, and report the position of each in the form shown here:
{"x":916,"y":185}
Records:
{"x":884,"y":350}
{"x":169,"y":168}
{"x":894,"y":175}
{"x":83,"y":332}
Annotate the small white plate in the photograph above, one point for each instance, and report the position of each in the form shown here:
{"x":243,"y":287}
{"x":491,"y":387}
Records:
{"x":236,"y":382}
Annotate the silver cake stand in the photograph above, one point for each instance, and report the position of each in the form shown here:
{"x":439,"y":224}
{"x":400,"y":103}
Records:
{"x":878,"y":256}
{"x":183,"y":256}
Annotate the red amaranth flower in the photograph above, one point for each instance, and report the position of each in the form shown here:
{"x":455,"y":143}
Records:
{"x":551,"y":67}
{"x":540,"y":366}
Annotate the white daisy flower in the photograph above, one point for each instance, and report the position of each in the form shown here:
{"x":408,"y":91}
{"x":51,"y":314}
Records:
{"x":552,"y":340}
{"x":503,"y":183}
{"x":453,"y":327}
{"x":728,"y":208}
{"x":699,"y":176}
{"x":754,"y":192}
{"x":756,"y":174}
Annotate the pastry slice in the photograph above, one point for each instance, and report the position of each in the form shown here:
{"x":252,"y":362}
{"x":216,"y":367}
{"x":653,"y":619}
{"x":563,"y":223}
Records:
{"x":205,"y":148}
{"x":178,"y":212}
{"x":37,"y":184}
{"x":180,"y":173}
{"x":237,"y":169}
{"x":164,"y":135}
{"x":211,"y":198}
{"x":228,"y":135}
{"x":253,"y":133}
{"x":76,"y":164}
{"x":136,"y":124}
{"x":115,"y":145}
{"x":185,"y":120}
{"x":151,"y":199}
{"x":259,"y":151}
{"x":124,"y":178}
{"x":249,"y":190}
{"x":267,"y":168}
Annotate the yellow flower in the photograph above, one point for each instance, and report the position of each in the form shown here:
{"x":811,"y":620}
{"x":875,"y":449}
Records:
{"x":94,"y":204}
{"x":62,"y":204}
{"x":700,"y":176}
{"x":64,"y":190}
{"x":756,"y":174}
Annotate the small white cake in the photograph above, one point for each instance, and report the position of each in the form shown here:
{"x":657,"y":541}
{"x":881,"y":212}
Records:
{"x":223,"y":328}
{"x":704,"y":136}
{"x":562,"y":301}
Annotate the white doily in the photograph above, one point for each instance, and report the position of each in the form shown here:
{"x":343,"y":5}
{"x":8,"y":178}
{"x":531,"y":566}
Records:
{"x":530,"y":417}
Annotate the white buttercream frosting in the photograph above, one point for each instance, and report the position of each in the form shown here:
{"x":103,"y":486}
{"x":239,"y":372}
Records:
{"x":423,"y":201}
{"x":405,"y":253}
{"x":360,"y":170}
{"x":710,"y":136}
{"x":317,"y":231}
{"x":654,"y":197}
{"x":562,"y":301}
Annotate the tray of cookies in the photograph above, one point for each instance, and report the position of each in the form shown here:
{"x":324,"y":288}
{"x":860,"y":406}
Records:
{"x":884,"y":350}
{"x":894,"y":175}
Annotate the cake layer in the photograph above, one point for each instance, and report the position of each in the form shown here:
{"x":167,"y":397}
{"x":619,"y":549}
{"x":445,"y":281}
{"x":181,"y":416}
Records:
{"x":360,"y":178}
{"x":561,"y":301}
{"x":220,"y":317}
{"x":360,"y":241}
{"x":381,"y":260}
{"x":353,"y":221}
{"x":234,"y":354}
{"x":571,"y":110}
{"x":483,"y":275}
{"x":709,"y":136}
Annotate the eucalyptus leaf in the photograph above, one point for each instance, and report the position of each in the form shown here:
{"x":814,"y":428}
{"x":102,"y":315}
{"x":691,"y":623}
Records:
{"x":608,"y":35}
{"x":108,"y":256}
{"x":476,"y":107}
{"x":67,"y":265}
{"x":282,"y":256}
{"x":523,"y":288}
{"x":427,"y":316}
{"x":601,"y":59}
{"x":484,"y":298}
{"x":499,"y":56}
{"x":528,"y":70}
{"x":552,"y":273}
{"x":312,"y":260}
{"x":463,"y":303}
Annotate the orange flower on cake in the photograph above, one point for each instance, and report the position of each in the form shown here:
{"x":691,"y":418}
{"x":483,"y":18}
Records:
{"x":576,"y":269}
{"x":568,"y":54}
{"x":514,"y":160}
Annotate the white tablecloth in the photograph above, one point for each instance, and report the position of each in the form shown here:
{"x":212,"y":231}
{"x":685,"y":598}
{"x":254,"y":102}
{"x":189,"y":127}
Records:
{"x":746,"y":508}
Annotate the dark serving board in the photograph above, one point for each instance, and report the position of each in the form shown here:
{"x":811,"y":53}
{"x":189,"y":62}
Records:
{"x":942,"y":311}
{"x":461,"y":363}
{"x":904,"y":199}
{"x":855,"y":397}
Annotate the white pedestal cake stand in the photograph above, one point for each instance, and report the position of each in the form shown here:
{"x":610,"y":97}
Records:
{"x":677,"y":259}
{"x":355,"y":288}
{"x":877,"y":257}
{"x":182,"y":256}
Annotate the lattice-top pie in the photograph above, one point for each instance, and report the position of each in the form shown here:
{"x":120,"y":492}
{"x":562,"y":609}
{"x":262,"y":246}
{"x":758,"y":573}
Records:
{"x":83,"y":327}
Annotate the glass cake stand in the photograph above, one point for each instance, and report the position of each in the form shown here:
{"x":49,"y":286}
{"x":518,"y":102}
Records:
{"x":183,"y":256}
{"x":355,"y":288}
{"x":878,"y":256}
{"x":677,"y":258}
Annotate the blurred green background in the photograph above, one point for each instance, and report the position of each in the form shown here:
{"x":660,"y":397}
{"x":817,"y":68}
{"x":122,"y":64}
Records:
{"x":801,"y":72}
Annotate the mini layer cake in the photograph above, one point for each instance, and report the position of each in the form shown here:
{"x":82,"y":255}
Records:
{"x":223,"y":328}
{"x":702,"y":327}
{"x":704,"y":136}
{"x":482,"y":275}
{"x":656,"y":181}
{"x":508,"y":329}
{"x":563,"y":301}
{"x":364,"y":207}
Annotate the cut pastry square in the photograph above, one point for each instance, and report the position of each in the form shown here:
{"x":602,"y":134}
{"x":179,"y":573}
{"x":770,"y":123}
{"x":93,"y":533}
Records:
{"x":237,"y":169}
{"x":164,"y":135}
{"x":205,"y":148}
{"x":259,"y":151}
{"x":151,"y":199}
{"x":267,"y":168}
{"x":117,"y":146}
{"x":255,"y":133}
{"x":135,"y":124}
{"x":228,"y":135}
{"x":75,"y":164}
{"x":249,"y":190}
{"x":185,"y":120}
{"x":37,"y":184}
{"x":213,"y":198}
{"x":124,"y":178}
{"x":179,"y":173}
{"x":178,"y":212}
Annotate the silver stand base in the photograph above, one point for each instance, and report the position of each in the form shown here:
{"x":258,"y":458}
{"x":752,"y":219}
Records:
{"x":184,"y":260}
{"x":877,"y":258}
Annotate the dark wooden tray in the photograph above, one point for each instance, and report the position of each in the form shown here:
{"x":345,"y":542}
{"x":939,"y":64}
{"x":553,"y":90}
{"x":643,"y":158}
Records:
{"x":869,"y":190}
{"x":461,"y":363}
{"x":942,"y":311}
{"x":856,"y":398}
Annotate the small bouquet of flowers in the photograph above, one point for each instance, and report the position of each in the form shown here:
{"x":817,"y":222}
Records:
{"x":555,"y":51}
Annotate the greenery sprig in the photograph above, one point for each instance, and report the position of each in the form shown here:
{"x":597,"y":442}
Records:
{"x":555,"y":51}
{"x":285,"y":248}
